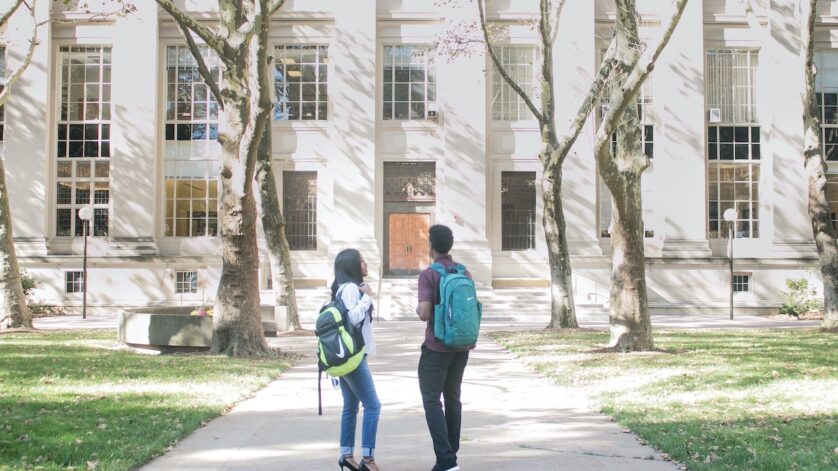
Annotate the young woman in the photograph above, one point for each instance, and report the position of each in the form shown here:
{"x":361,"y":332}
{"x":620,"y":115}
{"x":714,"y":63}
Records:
{"x":350,"y":270}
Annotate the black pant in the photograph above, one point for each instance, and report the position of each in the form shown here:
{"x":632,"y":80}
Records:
{"x":442,"y":374}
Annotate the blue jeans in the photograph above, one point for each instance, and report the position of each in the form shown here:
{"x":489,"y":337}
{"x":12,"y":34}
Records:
{"x":358,"y":387}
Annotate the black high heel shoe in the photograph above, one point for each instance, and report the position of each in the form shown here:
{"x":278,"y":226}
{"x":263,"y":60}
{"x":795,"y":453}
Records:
{"x":344,"y":463}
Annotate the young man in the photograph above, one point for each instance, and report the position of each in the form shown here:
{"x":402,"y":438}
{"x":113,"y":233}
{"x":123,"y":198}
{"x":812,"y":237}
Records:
{"x":440,"y":368}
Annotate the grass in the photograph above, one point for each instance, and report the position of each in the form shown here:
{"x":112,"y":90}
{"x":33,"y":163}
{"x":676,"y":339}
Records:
{"x":73,"y":400}
{"x":712,"y":400}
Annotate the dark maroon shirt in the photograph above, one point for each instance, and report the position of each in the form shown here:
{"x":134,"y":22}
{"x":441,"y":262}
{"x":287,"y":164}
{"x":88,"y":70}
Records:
{"x":429,"y":291}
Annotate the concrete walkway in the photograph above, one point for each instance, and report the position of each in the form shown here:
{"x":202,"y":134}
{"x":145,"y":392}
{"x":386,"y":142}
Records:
{"x":512,"y":419}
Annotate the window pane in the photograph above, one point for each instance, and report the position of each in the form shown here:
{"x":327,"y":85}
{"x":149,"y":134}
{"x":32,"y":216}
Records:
{"x":299,"y":201}
{"x":518,"y":218}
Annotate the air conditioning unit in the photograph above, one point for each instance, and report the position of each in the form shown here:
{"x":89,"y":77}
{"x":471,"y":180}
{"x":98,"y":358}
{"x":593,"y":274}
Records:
{"x":714,"y":115}
{"x":433,"y":110}
{"x":604,"y":110}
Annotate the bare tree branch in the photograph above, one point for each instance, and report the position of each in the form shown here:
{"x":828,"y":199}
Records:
{"x":547,"y":84}
{"x":33,"y":42}
{"x":275,"y":5}
{"x":630,"y":88}
{"x":213,"y":40}
{"x":591,"y":100}
{"x":202,"y":65}
{"x":502,"y":70}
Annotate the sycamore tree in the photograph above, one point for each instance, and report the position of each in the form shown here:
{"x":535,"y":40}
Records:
{"x":273,"y":223}
{"x":814,"y":161}
{"x":622,"y":168}
{"x":816,"y":169}
{"x":13,"y":309}
{"x":556,"y":147}
{"x":241,"y":43}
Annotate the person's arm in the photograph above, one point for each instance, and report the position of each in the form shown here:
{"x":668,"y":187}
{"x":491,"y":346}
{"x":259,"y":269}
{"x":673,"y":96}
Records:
{"x":356,"y":304}
{"x":425,"y":306}
{"x":424,"y":309}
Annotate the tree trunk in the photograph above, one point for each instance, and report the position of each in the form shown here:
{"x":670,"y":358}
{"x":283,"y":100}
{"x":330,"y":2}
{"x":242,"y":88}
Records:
{"x":815,"y":165}
{"x":273,"y":223}
{"x":237,"y":325}
{"x":629,"y":323}
{"x":14,"y":312}
{"x":628,"y":316}
{"x":562,"y":312}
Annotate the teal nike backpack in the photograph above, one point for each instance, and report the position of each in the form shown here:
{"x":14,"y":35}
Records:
{"x":457,"y":316}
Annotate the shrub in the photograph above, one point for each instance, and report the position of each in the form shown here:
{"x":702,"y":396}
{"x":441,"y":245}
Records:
{"x":799,"y":298}
{"x":28,"y":283}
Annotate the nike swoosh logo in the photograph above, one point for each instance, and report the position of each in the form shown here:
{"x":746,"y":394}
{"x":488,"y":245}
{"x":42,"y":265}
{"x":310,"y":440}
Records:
{"x":341,"y":353}
{"x":469,"y":299}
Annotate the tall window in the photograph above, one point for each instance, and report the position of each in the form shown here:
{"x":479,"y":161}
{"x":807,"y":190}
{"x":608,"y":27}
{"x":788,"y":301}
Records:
{"x":517,"y":210}
{"x":409,"y":82}
{"x":191,"y":130}
{"x":2,"y":86}
{"x":733,"y":140}
{"x":300,"y":78}
{"x":826,"y":85}
{"x":519,"y":63}
{"x":299,"y":203}
{"x":84,"y":133}
{"x":832,"y":196}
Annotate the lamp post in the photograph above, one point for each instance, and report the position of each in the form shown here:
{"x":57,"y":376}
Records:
{"x":730,"y":216}
{"x":85,"y":214}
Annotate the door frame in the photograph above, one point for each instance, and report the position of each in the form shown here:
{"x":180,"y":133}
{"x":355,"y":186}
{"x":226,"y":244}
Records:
{"x":423,"y":207}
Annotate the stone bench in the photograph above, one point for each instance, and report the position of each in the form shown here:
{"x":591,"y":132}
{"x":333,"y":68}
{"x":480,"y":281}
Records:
{"x":174,"y":327}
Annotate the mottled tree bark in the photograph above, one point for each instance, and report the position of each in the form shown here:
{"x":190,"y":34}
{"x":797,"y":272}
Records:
{"x":628,"y":316}
{"x":13,"y":309}
{"x":561,"y":287}
{"x":816,"y":168}
{"x":273,"y":223}
{"x":241,"y":45}
{"x":14,"y":313}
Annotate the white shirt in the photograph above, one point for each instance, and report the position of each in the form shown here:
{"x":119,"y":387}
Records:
{"x":357,"y":307}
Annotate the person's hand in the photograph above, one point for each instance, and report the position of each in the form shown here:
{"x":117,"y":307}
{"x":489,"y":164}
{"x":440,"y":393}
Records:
{"x":366,"y":289}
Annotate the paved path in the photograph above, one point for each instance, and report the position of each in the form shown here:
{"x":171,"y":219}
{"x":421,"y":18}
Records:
{"x":513,"y":419}
{"x":659,"y":321}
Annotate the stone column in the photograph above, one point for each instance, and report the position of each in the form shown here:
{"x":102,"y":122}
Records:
{"x":27,"y":133}
{"x":135,"y":127}
{"x":574,"y":61}
{"x":352,"y":88}
{"x":463,"y":174}
{"x":679,"y":140}
{"x":783,"y":70}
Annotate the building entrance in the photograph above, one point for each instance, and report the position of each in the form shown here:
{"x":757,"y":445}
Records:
{"x":409,"y":197}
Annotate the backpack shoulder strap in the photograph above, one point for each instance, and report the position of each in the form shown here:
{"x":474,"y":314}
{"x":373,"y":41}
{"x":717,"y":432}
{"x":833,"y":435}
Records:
{"x":461,"y":269}
{"x":439,"y":269}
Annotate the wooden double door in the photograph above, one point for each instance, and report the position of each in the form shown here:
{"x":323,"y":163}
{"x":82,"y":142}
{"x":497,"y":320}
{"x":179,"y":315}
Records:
{"x":408,"y":251}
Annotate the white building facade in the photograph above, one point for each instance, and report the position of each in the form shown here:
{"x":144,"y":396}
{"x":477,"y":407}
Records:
{"x":376,"y":136}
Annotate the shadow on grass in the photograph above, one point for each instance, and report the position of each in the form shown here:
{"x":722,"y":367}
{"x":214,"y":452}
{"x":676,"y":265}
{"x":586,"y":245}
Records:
{"x":69,"y":398}
{"x":800,"y":442}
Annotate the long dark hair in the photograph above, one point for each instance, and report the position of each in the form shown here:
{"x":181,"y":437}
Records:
{"x":347,"y":269}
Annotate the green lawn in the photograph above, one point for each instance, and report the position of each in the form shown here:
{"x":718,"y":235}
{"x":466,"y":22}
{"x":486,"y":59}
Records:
{"x":739,"y":399}
{"x":74,"y":400}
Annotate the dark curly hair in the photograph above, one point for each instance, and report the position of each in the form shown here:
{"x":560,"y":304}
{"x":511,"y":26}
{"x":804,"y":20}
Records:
{"x":441,"y":238}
